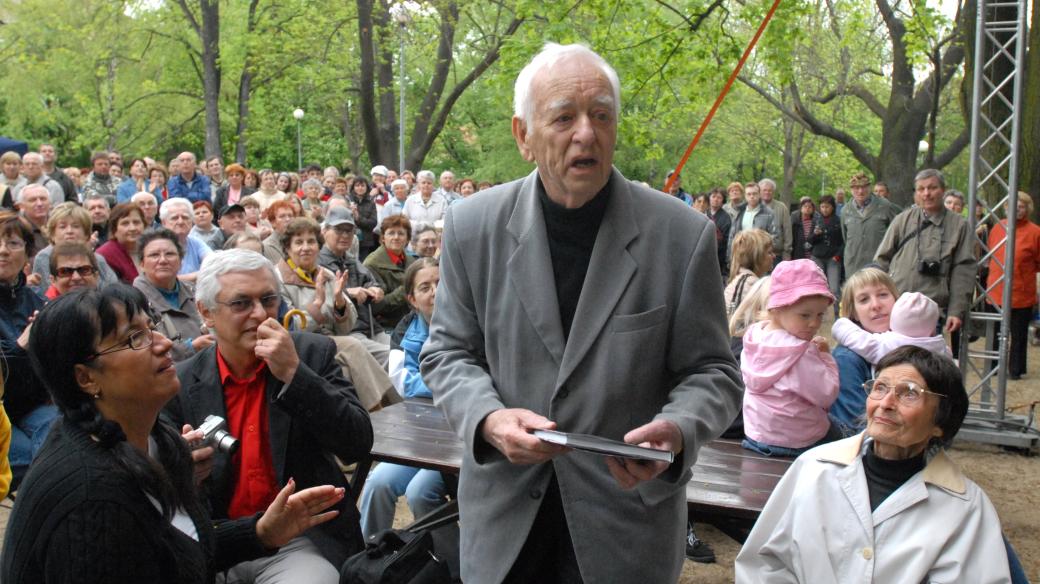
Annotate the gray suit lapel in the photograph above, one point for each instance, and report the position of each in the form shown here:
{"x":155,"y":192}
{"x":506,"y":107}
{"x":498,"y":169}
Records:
{"x":530,"y":268}
{"x":610,"y":270}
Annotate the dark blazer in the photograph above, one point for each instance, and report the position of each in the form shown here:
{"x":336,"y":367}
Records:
{"x":313,"y":419}
{"x":79,"y":518}
{"x":220,"y":197}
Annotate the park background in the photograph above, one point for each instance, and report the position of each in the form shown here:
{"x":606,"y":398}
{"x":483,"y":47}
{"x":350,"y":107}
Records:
{"x":834,"y":87}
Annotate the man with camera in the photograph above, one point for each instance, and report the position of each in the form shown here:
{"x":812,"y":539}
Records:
{"x":928,"y":249}
{"x":287,"y":403}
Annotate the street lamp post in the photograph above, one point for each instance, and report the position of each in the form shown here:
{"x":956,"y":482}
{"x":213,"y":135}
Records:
{"x":403,"y":18}
{"x":298,"y":114}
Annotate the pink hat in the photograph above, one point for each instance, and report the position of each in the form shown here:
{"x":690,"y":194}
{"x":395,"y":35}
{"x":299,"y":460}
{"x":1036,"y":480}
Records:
{"x":915,"y":315}
{"x":795,"y":279}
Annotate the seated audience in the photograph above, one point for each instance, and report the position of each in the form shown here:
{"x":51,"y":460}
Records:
{"x":425,"y":207}
{"x":888,"y":503}
{"x":204,"y":230}
{"x":68,"y":223}
{"x":112,"y":496}
{"x":388,"y":262}
{"x":279,"y":215}
{"x":99,"y":210}
{"x":254,"y":221}
{"x":235,"y":190}
{"x":426,"y":242}
{"x":26,"y":400}
{"x":34,"y":202}
{"x":286,"y":400}
{"x":171,"y":299}
{"x":178,"y":216}
{"x":244,"y":240}
{"x":365,"y":216}
{"x":322,"y":295}
{"x":424,"y":489}
{"x":232,"y":220}
{"x":790,"y":376}
{"x":150,"y":208}
{"x":71,"y":266}
{"x":125,"y":226}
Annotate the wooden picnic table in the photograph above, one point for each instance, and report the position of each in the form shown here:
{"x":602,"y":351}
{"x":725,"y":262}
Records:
{"x":729,"y":488}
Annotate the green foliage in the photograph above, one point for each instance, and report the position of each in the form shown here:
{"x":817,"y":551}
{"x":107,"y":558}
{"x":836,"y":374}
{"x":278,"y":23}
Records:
{"x":88,"y":74}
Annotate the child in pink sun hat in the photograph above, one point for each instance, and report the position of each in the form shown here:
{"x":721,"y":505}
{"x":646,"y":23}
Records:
{"x":789,"y":374}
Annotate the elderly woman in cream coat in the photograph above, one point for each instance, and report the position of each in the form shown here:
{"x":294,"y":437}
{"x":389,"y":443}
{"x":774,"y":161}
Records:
{"x":887,"y":505}
{"x":321,"y":294}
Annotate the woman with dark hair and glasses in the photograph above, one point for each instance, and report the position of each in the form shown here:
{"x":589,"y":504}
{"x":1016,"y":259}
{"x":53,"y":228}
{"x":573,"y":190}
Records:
{"x":887,"y":504}
{"x":111,"y":497}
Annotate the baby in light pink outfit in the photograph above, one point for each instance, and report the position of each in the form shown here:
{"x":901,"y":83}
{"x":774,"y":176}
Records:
{"x":790,"y":376}
{"x":913,"y":321}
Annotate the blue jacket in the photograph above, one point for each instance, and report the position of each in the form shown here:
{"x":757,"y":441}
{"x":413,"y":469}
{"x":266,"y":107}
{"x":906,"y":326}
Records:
{"x":850,"y":407}
{"x":409,"y":337}
{"x":24,"y":390}
{"x":196,"y":190}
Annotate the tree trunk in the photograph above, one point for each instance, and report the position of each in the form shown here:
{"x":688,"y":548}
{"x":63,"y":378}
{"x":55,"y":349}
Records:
{"x":386,"y":39}
{"x":245,"y":89}
{"x":210,"y":38}
{"x":1029,"y":150}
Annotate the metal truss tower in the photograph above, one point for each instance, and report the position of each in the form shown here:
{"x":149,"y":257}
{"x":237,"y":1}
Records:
{"x":1000,"y":48}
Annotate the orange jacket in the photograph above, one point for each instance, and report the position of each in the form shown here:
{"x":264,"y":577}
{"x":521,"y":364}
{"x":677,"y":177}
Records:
{"x":1027,"y":263}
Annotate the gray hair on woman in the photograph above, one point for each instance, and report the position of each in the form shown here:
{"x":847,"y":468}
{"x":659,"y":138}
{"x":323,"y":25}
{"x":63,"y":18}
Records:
{"x":312,"y":183}
{"x":425,"y":174}
{"x":218,"y":263}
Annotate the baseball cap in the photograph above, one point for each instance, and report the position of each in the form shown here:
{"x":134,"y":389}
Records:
{"x":229,"y":208}
{"x":378,"y":169}
{"x":339,"y":216}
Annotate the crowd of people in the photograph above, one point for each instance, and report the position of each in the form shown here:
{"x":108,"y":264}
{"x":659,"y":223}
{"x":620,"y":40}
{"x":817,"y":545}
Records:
{"x":134,"y":307}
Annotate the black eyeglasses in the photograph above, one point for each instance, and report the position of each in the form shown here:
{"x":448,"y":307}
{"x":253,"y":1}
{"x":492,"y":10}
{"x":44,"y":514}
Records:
{"x":907,"y":392}
{"x":137,"y":340}
{"x":242,"y":305}
{"x":83,"y":271}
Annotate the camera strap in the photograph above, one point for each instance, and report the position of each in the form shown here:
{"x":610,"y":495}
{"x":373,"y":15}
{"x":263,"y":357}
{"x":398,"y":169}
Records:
{"x":920,"y":227}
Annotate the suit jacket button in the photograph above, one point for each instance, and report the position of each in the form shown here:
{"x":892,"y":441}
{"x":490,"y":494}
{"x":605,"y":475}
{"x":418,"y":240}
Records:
{"x":563,"y":393}
{"x":868,"y":553}
{"x":536,"y":493}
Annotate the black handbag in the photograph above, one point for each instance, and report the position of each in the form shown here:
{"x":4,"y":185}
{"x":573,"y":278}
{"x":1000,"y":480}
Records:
{"x":402,"y":556}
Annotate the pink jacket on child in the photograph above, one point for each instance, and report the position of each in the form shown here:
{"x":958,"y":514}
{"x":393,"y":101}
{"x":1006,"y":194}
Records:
{"x":790,"y":386}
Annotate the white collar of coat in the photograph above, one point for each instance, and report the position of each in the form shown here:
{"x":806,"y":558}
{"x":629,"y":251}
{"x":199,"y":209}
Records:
{"x":940,"y":471}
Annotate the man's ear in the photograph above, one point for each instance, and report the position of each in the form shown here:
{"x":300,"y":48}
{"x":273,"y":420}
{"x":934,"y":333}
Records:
{"x":520,"y":135}
{"x":85,"y":378}
{"x":207,"y":315}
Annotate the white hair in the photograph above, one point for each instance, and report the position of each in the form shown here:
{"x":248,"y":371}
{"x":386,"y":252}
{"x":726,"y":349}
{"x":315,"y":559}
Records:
{"x":425,"y":174}
{"x":25,"y":190}
{"x":32,"y":156}
{"x":399,"y":181}
{"x":141,"y":196}
{"x":218,"y":263}
{"x":312,"y":183}
{"x":167,"y":207}
{"x":551,"y":53}
{"x":446,"y":173}
{"x":767,"y":181}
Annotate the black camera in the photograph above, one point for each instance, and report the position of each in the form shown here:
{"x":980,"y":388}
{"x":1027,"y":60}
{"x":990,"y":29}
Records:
{"x":929,"y":267}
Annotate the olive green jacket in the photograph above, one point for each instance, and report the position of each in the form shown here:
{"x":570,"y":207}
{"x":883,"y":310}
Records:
{"x":946,"y":239}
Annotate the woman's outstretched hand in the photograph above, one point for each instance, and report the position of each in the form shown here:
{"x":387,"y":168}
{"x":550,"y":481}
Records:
{"x":291,"y":514}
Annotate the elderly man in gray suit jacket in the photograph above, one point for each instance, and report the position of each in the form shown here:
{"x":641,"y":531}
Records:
{"x":574,"y":299}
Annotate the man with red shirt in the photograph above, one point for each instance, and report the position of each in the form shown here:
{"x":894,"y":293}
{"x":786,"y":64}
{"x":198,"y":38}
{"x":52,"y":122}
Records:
{"x":285,"y":398}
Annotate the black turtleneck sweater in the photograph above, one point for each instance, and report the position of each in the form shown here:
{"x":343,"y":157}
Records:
{"x":572,"y":235}
{"x":884,"y":476}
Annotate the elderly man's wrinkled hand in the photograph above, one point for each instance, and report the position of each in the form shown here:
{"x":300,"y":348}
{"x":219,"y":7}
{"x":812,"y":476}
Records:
{"x":659,"y":434}
{"x":509,"y":431}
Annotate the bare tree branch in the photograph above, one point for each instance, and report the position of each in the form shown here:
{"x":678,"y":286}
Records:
{"x":954,"y":149}
{"x":859,"y":91}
